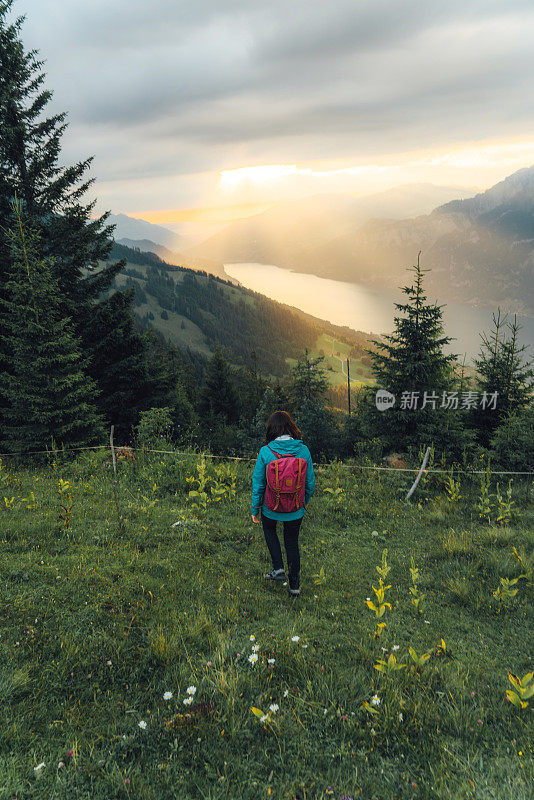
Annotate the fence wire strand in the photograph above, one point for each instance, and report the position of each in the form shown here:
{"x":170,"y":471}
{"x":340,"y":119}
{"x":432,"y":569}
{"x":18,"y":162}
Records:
{"x":252,"y":457}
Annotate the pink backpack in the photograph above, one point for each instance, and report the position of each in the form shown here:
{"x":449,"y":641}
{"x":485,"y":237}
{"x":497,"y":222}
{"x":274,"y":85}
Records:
{"x":285,"y":483}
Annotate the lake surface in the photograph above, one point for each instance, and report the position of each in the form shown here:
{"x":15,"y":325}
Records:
{"x":366,"y":308}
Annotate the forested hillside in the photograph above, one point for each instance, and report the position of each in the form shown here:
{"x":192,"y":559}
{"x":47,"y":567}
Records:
{"x":196,"y":311}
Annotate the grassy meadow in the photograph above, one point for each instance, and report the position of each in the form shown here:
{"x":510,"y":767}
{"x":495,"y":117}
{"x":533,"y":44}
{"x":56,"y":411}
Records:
{"x":117,"y":595}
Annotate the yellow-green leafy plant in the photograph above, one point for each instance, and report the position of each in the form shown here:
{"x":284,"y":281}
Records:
{"x":335,"y":491}
{"x":506,"y":591}
{"x":504,"y":505}
{"x":223,"y":483}
{"x":384,"y":568}
{"x":31,"y":501}
{"x":442,"y":649}
{"x":390,"y":666}
{"x":452,"y":488}
{"x":66,"y":502}
{"x":5,"y":478}
{"x":366,"y":706}
{"x":379,"y":607}
{"x":320,"y":577}
{"x":417,"y":599}
{"x":264,"y":718}
{"x":8,"y":502}
{"x":527,"y":568}
{"x":483,"y":505}
{"x":419,"y":661}
{"x":523,"y":689}
{"x":198,"y":496}
{"x":148,"y":502}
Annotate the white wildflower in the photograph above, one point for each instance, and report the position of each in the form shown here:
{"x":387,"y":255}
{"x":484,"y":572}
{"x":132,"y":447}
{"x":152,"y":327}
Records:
{"x":188,"y":701}
{"x":286,"y":692}
{"x":255,"y":648}
{"x":295,"y":638}
{"x":373,"y":732}
{"x":167,"y":695}
{"x":142,"y":724}
{"x":191,"y":690}
{"x":253,"y":658}
{"x":39,"y":767}
{"x":270,"y":660}
{"x":252,"y":637}
{"x":274,"y":707}
{"x":264,"y":718}
{"x":395,"y":647}
{"x":375,"y":700}
{"x":400,"y":717}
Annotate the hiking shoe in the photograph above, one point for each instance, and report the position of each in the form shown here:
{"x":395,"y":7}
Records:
{"x":294,"y":586}
{"x":276,"y":575}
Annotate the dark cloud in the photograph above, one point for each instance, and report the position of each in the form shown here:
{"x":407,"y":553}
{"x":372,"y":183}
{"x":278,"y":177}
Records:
{"x":187,"y":86}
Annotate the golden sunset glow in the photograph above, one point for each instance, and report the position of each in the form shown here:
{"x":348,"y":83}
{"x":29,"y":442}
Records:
{"x":261,"y":174}
{"x":248,"y":190}
{"x":207,"y":215}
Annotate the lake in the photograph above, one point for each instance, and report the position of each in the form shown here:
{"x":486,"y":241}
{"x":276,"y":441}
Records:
{"x":366,"y":308}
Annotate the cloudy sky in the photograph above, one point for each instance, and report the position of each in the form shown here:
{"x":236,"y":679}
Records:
{"x":187,"y":104}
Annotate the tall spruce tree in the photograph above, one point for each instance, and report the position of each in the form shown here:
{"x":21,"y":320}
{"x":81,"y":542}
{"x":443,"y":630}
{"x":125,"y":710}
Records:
{"x":504,"y":368}
{"x":219,"y":396}
{"x":409,"y":363}
{"x":52,"y":195}
{"x":308,"y":383}
{"x":48,"y":396}
{"x":126,"y":386}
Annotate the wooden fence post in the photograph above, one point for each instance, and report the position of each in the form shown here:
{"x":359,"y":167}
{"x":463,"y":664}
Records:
{"x":419,"y":474}
{"x":113,"y":450}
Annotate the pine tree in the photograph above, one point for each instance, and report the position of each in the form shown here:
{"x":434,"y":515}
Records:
{"x":219,"y":396}
{"x":127,"y":386}
{"x":52,"y":195}
{"x":76,"y":246}
{"x":48,"y":397}
{"x":308,"y":383}
{"x":503,"y":369}
{"x":409,"y":363}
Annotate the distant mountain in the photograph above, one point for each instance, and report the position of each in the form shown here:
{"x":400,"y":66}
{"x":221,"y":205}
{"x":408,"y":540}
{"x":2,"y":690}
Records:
{"x":170,"y":257}
{"x":285,"y":233}
{"x":480,"y":250}
{"x":147,"y":246}
{"x":131,"y":228}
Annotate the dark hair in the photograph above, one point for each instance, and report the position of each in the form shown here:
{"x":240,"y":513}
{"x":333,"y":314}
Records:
{"x":279,"y":423}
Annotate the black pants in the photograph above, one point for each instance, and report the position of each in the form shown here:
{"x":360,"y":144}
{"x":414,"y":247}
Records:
{"x":291,"y":543}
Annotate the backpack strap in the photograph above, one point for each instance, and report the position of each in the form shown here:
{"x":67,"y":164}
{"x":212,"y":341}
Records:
{"x":275,"y":453}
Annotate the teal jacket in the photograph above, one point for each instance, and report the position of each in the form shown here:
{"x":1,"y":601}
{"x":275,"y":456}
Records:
{"x":296,"y":448}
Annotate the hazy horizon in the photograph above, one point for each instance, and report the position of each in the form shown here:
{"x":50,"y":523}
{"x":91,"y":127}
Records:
{"x":199,"y":113}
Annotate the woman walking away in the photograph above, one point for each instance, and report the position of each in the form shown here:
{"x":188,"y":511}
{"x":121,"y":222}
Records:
{"x":282,"y":483}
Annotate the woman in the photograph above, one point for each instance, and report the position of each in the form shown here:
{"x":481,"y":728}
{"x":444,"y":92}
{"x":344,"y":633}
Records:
{"x":282,"y":438}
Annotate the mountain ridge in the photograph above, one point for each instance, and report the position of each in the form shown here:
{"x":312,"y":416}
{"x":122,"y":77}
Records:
{"x":480,"y":250}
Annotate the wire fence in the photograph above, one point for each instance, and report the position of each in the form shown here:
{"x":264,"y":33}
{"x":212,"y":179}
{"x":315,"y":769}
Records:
{"x":252,"y":457}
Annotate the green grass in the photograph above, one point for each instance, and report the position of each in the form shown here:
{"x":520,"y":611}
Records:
{"x":100,"y":618}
